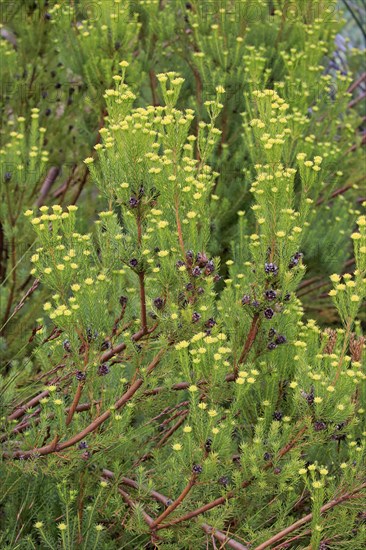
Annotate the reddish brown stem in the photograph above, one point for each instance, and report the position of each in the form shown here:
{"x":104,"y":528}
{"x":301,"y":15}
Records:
{"x":74,"y":403}
{"x":253,"y":331}
{"x":176,"y":503}
{"x":309,"y":517}
{"x":143,"y":302}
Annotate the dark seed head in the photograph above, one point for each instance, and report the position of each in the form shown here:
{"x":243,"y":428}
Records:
{"x":159,"y":303}
{"x":277,"y":415}
{"x":287,"y":297}
{"x":319,"y":426}
{"x":271,"y":333}
{"x":267,"y":456}
{"x":179,"y":263}
{"x":245,"y":299}
{"x":200,"y":290}
{"x":133,"y":263}
{"x":197,"y":469}
{"x":210,"y":267}
{"x":103,"y":369}
{"x":280,"y":340}
{"x":255,"y":303}
{"x":123,"y":300}
{"x":66,"y":345}
{"x":80,"y":376}
{"x":271,"y":268}
{"x":201,"y":259}
{"x":277,"y":471}
{"x":210,"y":323}
{"x":208,"y":444}
{"x":271,"y":346}
{"x":195,"y":317}
{"x":133,"y":202}
{"x":270,"y":294}
{"x":105,"y":345}
{"x":83,"y":445}
{"x":189,"y":286}
{"x":7,"y":176}
{"x":223,"y":481}
{"x":268,"y":313}
{"x":196,"y":272}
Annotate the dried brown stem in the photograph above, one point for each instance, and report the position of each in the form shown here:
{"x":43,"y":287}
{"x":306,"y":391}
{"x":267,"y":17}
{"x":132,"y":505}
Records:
{"x":176,"y":503}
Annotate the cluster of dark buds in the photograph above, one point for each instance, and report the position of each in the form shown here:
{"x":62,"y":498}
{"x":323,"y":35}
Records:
{"x":80,"y":376}
{"x":267,"y":456}
{"x":210,"y":323}
{"x":199,"y":265}
{"x":105,"y":345}
{"x":268,"y":313}
{"x":103,"y":369}
{"x":278,"y":339}
{"x":294,"y":261}
{"x":197,"y":469}
{"x":195,"y":317}
{"x":270,"y":294}
{"x":133,"y":263}
{"x":271,"y":268}
{"x":133,"y":202}
{"x":83,"y":445}
{"x":277,"y":415}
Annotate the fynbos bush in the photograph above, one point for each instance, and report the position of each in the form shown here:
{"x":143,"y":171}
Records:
{"x":166,"y":413}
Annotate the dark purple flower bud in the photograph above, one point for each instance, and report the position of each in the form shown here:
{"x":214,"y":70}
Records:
{"x":123,"y":300}
{"x":217,"y":278}
{"x":271,"y":346}
{"x":210,"y":323}
{"x":277,"y":471}
{"x":201,"y":259}
{"x":267,"y":456}
{"x":287,"y":297}
{"x":324,"y":546}
{"x":298,"y":255}
{"x":277,"y":415}
{"x":159,"y":303}
{"x":196,"y":272}
{"x":268,"y":313}
{"x":280,"y":340}
{"x":133,"y":263}
{"x":197,"y":469}
{"x":179,"y":263}
{"x":208,"y":444}
{"x":210,"y":267}
{"x":103,"y":369}
{"x":195,"y":317}
{"x":85,"y":455}
{"x":271,"y":333}
{"x":83,"y":445}
{"x":141,"y":191}
{"x":245,"y":299}
{"x":200,"y":290}
{"x":105,"y":345}
{"x":319,"y":426}
{"x":189,"y":286}
{"x":270,"y":294}
{"x":255,"y":303}
{"x":156,"y":249}
{"x":308,"y":396}
{"x":66,"y":345}
{"x":271,"y":268}
{"x":223,"y":481}
{"x":7,"y":177}
{"x":47,"y":16}
{"x":80,"y":376}
{"x":133,"y":202}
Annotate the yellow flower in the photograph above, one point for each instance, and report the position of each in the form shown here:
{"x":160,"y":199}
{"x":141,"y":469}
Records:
{"x":47,"y":306}
{"x":163,"y":253}
{"x":187,"y":429}
{"x":99,"y":527}
{"x":88,"y":160}
{"x":302,"y":471}
{"x":60,"y":267}
{"x":89,"y":281}
{"x":62,"y":526}
{"x":335,"y":278}
{"x":323,"y":471}
{"x":75,"y":287}
{"x":123,"y":64}
{"x":177,"y":447}
{"x":192,"y":388}
{"x":317,"y":484}
{"x":212,"y":412}
{"x":191,"y":215}
{"x":355,"y":298}
{"x":103,"y":484}
{"x":356,"y":236}
{"x":202,"y":406}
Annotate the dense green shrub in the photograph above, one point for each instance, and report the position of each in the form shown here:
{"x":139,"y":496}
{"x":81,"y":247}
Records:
{"x":176,"y":391}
